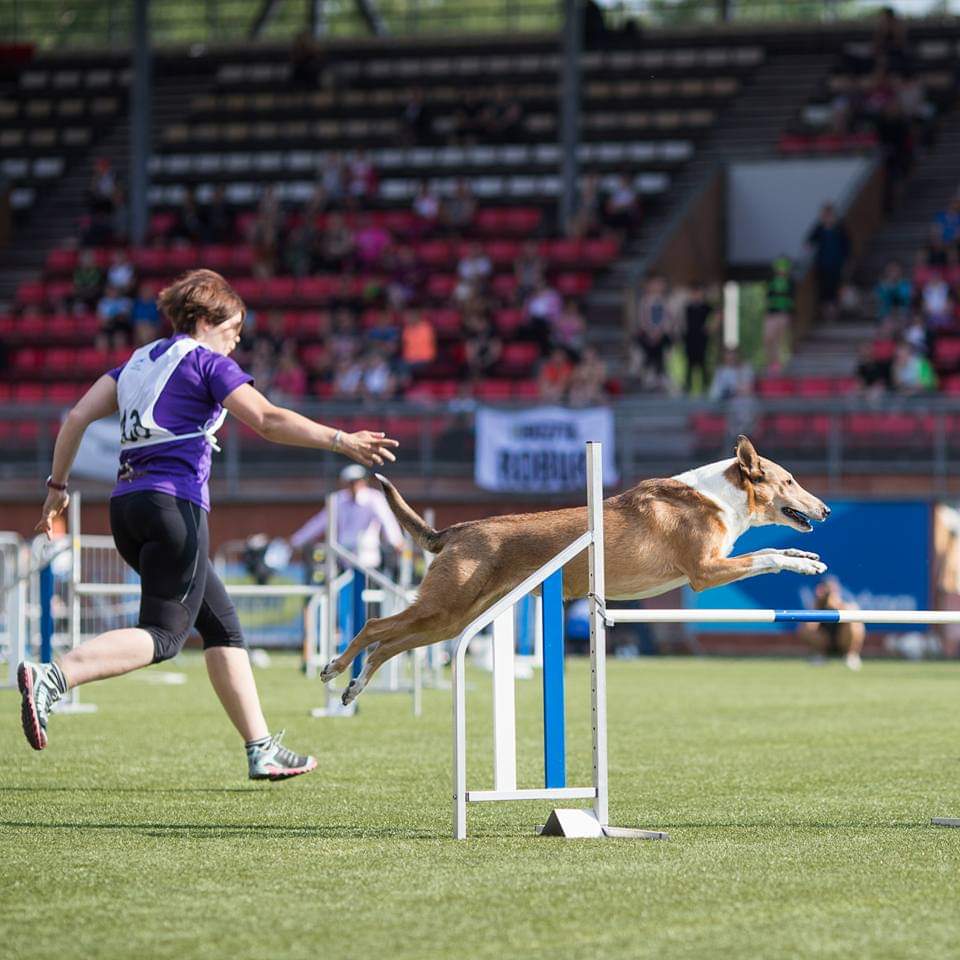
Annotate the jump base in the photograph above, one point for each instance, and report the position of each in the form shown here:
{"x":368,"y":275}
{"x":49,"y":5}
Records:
{"x":946,"y":821}
{"x":336,"y":709}
{"x":583,"y":824}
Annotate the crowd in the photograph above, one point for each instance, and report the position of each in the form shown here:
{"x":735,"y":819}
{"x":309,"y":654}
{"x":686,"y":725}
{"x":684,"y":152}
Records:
{"x":373,"y":340}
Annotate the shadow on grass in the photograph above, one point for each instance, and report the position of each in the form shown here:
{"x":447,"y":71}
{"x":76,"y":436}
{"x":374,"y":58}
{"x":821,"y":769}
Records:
{"x":213,"y":790}
{"x":215,"y":831}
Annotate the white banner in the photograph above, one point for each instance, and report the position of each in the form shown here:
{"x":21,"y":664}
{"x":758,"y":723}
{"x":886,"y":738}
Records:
{"x":541,"y":450}
{"x":99,"y":455}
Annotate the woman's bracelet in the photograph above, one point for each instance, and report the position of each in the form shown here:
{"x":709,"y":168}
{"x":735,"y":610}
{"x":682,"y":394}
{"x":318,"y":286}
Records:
{"x":336,"y":440}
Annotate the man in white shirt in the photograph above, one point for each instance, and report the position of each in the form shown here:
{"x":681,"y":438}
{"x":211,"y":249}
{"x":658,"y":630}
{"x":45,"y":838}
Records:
{"x":363,"y":515}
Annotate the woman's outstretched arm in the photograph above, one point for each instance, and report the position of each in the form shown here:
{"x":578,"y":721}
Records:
{"x":99,"y":401}
{"x":280,"y":425}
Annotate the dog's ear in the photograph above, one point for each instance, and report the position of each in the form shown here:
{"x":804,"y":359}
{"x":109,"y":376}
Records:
{"x":748,"y":459}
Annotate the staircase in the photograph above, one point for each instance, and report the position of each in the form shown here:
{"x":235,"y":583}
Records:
{"x":56,"y":215}
{"x":935,"y":178}
{"x":748,"y":130}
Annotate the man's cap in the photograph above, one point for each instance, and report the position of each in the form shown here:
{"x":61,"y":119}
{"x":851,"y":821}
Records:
{"x":353,"y":472}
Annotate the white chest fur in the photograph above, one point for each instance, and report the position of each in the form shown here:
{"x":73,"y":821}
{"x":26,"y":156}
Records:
{"x":732,"y":501}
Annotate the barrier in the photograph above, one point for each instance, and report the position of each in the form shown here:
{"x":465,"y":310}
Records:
{"x":575,"y":822}
{"x":581,"y":822}
{"x":13,"y":605}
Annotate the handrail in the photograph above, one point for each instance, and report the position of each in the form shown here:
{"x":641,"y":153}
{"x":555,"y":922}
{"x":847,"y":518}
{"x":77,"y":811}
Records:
{"x":521,"y":590}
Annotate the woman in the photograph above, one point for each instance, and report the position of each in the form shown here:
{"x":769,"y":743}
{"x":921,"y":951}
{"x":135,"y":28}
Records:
{"x":172,"y":396}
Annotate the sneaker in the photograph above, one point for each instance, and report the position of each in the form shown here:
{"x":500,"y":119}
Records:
{"x":853,"y":661}
{"x":269,"y":760}
{"x":40,"y":692}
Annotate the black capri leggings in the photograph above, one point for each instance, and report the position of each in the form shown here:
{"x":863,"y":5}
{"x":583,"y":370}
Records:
{"x":166,"y":540}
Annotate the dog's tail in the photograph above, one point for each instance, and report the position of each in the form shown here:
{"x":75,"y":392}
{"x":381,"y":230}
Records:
{"x":429,"y":539}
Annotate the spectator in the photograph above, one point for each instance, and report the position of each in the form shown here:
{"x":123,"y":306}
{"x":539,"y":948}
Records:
{"x":890,"y":41}
{"x":554,"y":376}
{"x":188,"y":227}
{"x":348,"y":381}
{"x":874,"y":375}
{"x":541,"y":311}
{"x":460,"y":209}
{"x":915,"y":334}
{"x":621,"y":208}
{"x":103,"y":182}
{"x":120,"y":274}
{"x":586,"y":219}
{"x":217,"y":218}
{"x":653,"y":334}
{"x":935,"y":250}
{"x":379,"y":381}
{"x":416,"y":119}
{"x":145,"y":315}
{"x":263,"y":361}
{"x":779,"y":315}
{"x":482,"y":347}
{"x":912,"y":371}
{"x":290,"y":381}
{"x":333,"y":180}
{"x":265,"y":234}
{"x":385,"y":332}
{"x":570,"y":330}
{"x":696,"y":336}
{"x":475,"y":267}
{"x":406,"y":279}
{"x":113,"y":311}
{"x":87,"y":279}
{"x":830,"y":243}
{"x":120,"y":216}
{"x":272,"y":335}
{"x":426,"y":210}
{"x":337,"y":245}
{"x":948,"y":221}
{"x":299,"y":248}
{"x":372,"y":242}
{"x":361,"y":177}
{"x":938,"y":303}
{"x":419,"y":342}
{"x":894,"y":292}
{"x":896,"y":142}
{"x":732,"y":378}
{"x":528,"y":269}
{"x":467,"y":123}
{"x":501,"y":120}
{"x":588,"y":379}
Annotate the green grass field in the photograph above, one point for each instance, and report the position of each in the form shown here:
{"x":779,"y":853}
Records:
{"x":798,"y":800}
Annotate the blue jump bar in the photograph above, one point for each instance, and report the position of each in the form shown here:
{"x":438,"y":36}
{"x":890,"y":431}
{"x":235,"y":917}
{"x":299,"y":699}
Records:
{"x":806,"y":616}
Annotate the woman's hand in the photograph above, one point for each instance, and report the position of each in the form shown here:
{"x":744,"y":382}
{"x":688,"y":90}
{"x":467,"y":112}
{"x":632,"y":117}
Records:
{"x":370,"y":449}
{"x":53,"y":506}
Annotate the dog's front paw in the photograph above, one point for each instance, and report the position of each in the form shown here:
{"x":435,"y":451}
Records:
{"x":790,"y":552}
{"x":805,"y":566}
{"x":354,"y":689}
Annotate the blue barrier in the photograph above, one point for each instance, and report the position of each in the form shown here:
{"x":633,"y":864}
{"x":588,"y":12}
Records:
{"x":554,"y":732}
{"x":46,"y":614}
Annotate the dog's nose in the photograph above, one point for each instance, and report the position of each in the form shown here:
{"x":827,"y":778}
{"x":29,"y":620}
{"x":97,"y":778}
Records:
{"x":826,"y":511}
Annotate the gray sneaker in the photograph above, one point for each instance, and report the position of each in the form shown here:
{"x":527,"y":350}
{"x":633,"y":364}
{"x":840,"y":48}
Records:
{"x":271,"y":761}
{"x":40,"y":692}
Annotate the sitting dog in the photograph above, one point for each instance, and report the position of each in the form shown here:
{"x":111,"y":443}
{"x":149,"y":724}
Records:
{"x":658,"y":535}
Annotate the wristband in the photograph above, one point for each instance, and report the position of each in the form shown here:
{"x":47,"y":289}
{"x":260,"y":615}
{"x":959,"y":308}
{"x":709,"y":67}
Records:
{"x":62,"y":487}
{"x":336,"y":440}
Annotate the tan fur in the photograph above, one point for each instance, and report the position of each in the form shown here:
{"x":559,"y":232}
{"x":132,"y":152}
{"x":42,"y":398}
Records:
{"x":657,"y":534}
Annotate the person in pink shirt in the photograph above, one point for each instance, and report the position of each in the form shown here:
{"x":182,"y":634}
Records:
{"x":372,"y":242}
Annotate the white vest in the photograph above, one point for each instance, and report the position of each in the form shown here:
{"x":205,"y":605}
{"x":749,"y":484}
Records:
{"x":139,"y":387}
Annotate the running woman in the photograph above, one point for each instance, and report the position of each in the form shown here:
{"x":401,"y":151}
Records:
{"x":173,"y":395}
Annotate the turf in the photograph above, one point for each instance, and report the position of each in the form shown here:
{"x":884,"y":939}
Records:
{"x":798,"y":800}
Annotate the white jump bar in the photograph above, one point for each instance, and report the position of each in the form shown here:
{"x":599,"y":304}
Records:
{"x":783,"y":616}
{"x":554,"y":793}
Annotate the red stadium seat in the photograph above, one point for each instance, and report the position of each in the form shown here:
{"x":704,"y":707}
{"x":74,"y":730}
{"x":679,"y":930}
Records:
{"x":29,"y":393}
{"x":435,"y":253}
{"x":162,"y":223}
{"x":445,"y":322}
{"x":505,"y":285}
{"x":494,"y":390}
{"x":520,"y":357}
{"x":316,"y":289}
{"x":31,"y":293}
{"x":278,"y":289}
{"x":149,"y":260}
{"x":946,"y":353}
{"x":816,"y":387}
{"x":601,"y":251}
{"x":441,"y":285}
{"x":181,"y":258}
{"x":776,"y":387}
{"x":508,"y":321}
{"x":502,"y":252}
{"x":573,"y":284}
{"x":59,"y":290}
{"x":61,"y":261}
{"x":564,"y":251}
{"x":526,"y":390}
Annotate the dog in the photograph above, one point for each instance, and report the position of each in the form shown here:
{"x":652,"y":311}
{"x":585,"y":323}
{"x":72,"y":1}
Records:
{"x":660,"y":534}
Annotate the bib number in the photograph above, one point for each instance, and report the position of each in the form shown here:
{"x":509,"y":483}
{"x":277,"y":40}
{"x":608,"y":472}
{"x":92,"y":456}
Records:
{"x":131,"y":427}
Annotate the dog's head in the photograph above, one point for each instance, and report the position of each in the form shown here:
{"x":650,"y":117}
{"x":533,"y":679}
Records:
{"x":773,"y":496}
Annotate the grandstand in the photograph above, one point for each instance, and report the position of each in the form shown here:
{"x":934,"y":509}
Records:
{"x":245,"y":140}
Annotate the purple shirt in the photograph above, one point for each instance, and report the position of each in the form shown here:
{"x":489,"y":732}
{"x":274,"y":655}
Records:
{"x":193,"y":395}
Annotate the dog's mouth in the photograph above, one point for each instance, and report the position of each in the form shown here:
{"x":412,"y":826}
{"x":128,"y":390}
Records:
{"x":800,"y":520}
